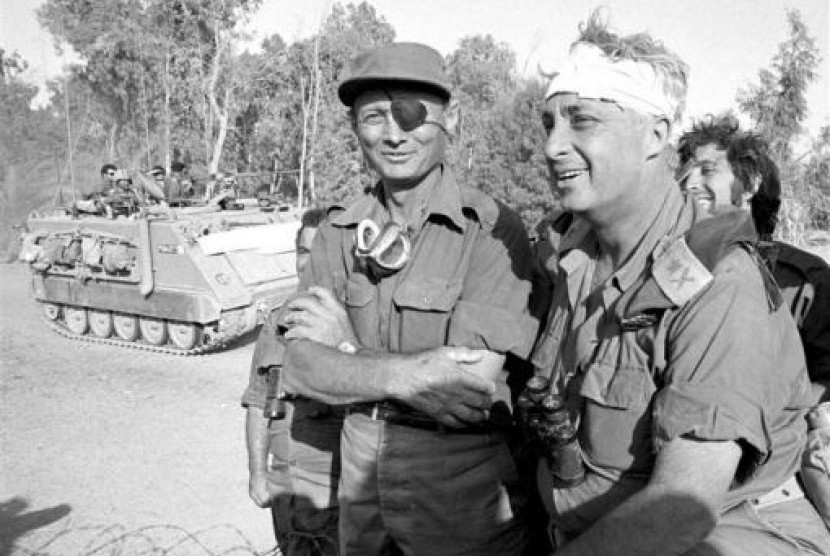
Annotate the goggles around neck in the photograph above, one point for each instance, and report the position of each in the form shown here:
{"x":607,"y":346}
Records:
{"x":387,"y":248}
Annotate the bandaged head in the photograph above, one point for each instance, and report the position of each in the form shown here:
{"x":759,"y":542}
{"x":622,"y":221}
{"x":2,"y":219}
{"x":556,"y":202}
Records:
{"x":590,"y":74}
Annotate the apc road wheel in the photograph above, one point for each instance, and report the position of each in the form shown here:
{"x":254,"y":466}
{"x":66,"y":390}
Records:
{"x":51,"y":310}
{"x":100,"y":323}
{"x":183,"y":335}
{"x":126,"y":326}
{"x":76,"y":320}
{"x":154,"y":331}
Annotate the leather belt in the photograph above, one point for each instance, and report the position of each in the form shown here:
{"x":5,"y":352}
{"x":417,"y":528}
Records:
{"x":391,"y":413}
{"x":788,"y":491}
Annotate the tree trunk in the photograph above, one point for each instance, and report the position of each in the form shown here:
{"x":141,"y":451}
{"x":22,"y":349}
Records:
{"x":303,"y":146}
{"x":222,"y":119}
{"x":313,"y":145}
{"x":167,"y":122}
{"x":111,"y":141}
{"x":220,"y":113}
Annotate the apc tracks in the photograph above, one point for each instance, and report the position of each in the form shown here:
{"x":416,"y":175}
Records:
{"x":129,"y":331}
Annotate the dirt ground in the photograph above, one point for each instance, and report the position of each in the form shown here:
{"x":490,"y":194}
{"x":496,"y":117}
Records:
{"x":106,"y":450}
{"x":111,"y":451}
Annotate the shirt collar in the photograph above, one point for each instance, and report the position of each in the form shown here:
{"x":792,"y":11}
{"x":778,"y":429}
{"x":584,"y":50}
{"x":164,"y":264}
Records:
{"x":580,"y":242}
{"x":661,"y":230}
{"x":445,"y":200}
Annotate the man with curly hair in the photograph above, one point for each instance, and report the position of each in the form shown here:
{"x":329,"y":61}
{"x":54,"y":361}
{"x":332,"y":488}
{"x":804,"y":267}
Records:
{"x":718,"y":157}
{"x":690,"y":421}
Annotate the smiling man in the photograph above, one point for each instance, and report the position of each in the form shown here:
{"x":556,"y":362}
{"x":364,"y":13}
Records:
{"x":729,"y":169}
{"x":708,"y":173}
{"x":668,"y":344}
{"x":415,"y":270}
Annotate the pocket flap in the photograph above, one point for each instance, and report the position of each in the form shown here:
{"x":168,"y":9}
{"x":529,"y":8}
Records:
{"x":428,"y":294}
{"x":623,"y":388}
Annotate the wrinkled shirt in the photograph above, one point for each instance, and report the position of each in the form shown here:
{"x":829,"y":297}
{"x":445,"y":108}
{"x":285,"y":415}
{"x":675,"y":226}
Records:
{"x":729,"y":368}
{"x":467,"y":283}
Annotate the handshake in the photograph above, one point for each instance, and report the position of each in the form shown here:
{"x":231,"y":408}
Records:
{"x":453,"y":385}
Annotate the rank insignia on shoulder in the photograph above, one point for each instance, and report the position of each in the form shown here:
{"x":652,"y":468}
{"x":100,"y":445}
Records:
{"x":679,"y":273}
{"x":638,"y":322}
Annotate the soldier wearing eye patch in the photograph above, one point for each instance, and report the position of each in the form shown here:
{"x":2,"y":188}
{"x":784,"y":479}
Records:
{"x":414,"y":268}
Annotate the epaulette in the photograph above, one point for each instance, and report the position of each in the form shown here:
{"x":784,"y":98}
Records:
{"x":549,"y":233}
{"x":486,"y":208}
{"x":713,"y":238}
{"x":684,"y":268}
{"x":334,"y":209}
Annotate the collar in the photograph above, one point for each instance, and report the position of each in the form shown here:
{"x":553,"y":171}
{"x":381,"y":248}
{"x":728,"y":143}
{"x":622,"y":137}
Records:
{"x":580,"y":242}
{"x":445,"y":200}
{"x":662,"y":231}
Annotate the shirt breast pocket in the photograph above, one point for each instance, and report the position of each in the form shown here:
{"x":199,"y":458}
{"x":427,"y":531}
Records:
{"x":425,"y":307}
{"x":361,"y":307}
{"x":616,"y":429}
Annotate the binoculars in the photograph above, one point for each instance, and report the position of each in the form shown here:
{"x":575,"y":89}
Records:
{"x":546,"y":420}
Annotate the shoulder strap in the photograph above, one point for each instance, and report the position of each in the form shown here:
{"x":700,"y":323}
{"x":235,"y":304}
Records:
{"x":682,"y":270}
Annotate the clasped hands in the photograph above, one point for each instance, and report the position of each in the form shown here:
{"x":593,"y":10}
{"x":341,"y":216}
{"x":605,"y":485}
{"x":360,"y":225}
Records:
{"x":442,"y":382}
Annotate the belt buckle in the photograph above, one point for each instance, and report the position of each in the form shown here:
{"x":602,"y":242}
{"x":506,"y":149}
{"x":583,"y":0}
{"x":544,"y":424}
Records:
{"x":374,"y":414}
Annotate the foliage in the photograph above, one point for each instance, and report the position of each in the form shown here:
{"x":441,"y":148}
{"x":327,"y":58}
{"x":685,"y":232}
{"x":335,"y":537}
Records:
{"x":777,"y":106}
{"x":27,"y":140}
{"x":161,"y":72}
{"x":167,"y":80}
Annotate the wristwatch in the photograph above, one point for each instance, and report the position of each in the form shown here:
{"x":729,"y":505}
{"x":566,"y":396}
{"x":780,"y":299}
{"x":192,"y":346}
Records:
{"x":347,"y":347}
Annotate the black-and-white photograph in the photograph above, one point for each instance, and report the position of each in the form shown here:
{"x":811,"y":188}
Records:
{"x":437,"y":278}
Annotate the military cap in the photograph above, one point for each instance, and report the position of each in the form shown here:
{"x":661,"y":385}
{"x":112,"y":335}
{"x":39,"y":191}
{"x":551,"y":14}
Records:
{"x":405,"y":64}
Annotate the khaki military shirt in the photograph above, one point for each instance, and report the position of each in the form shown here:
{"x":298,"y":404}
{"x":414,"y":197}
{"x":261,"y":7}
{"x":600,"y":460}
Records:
{"x":467,"y":283}
{"x":720,"y":364}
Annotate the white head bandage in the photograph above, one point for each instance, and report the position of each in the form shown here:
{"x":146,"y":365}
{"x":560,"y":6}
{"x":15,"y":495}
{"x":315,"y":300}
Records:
{"x":589,"y":73}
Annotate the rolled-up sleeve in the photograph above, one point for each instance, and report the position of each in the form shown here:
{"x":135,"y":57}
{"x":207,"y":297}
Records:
{"x":320,"y":271}
{"x":733,"y":365}
{"x":492,"y":312}
{"x":268,"y":351}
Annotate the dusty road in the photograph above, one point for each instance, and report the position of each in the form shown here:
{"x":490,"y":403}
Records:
{"x":110,"y":451}
{"x":106,"y":450}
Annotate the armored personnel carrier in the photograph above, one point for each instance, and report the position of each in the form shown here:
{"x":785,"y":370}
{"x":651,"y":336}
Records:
{"x":183,"y":281}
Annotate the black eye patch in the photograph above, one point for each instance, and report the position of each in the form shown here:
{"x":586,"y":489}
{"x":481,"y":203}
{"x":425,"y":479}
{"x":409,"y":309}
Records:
{"x":409,"y":113}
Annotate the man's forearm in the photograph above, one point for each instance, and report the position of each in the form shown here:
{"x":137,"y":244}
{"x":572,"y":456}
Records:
{"x":666,"y":523}
{"x":674,"y":511}
{"x":431,"y":381}
{"x":333,"y":377}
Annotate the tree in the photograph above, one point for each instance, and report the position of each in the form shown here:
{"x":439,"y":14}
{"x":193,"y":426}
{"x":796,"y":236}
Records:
{"x":482,"y":70}
{"x":158,"y":68}
{"x":31,"y":140}
{"x":778,"y":107}
{"x":778,"y":104}
{"x":302,"y":89}
{"x":499,"y":145}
